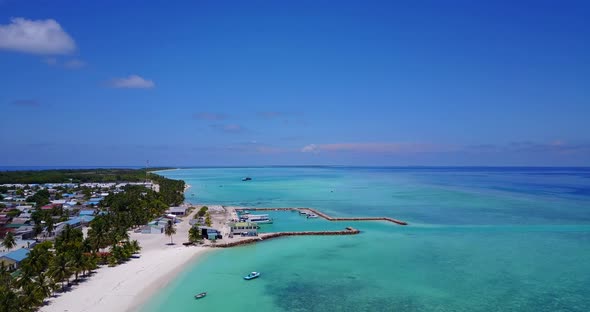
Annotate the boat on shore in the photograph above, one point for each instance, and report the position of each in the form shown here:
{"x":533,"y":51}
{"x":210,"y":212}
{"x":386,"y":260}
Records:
{"x":201,"y":295}
{"x":252,"y":275}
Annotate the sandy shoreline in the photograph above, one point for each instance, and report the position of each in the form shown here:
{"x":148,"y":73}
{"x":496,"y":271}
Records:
{"x":128,"y":286}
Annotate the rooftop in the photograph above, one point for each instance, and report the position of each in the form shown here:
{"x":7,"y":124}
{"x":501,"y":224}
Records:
{"x":17,"y":255}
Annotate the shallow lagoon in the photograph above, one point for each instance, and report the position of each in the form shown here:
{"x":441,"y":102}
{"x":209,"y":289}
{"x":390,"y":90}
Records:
{"x":478,"y":240}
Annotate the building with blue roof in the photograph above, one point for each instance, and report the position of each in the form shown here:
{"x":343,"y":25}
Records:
{"x":86,"y":219}
{"x":13,"y":259}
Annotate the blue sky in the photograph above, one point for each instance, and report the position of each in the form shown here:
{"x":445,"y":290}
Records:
{"x":295,"y":82}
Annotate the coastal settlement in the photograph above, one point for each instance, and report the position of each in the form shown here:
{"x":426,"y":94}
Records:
{"x":55,"y":235}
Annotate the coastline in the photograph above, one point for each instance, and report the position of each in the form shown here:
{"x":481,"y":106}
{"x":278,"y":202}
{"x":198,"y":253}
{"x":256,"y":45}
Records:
{"x":152,"y":288}
{"x":128,"y":286}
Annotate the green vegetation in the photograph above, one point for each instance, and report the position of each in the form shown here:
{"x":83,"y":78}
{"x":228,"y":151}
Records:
{"x":9,"y":241}
{"x":170,"y":230}
{"x":41,"y":198}
{"x":194,"y":235}
{"x":202,"y":211}
{"x":74,"y":176}
{"x":208,"y":219}
{"x":51,"y":266}
{"x":172,"y":191}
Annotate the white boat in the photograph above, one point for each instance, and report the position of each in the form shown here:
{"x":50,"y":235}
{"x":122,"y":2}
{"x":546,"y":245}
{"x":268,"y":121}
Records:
{"x":252,"y":275}
{"x":259,"y":218}
{"x":312,"y":216}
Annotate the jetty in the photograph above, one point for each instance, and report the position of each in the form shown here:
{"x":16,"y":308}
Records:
{"x":267,"y":236}
{"x":329,"y":218}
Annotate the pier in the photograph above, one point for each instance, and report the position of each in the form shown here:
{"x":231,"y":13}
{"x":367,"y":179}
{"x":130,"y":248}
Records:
{"x":327,"y":217}
{"x":266,"y":236}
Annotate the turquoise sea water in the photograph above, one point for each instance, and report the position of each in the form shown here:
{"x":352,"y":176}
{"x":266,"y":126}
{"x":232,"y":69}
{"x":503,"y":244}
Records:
{"x":479,"y":239}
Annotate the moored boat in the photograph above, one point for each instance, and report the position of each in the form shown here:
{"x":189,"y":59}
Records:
{"x":252,"y":275}
{"x":201,"y":295}
{"x":263,"y":218}
{"x":312,"y":216}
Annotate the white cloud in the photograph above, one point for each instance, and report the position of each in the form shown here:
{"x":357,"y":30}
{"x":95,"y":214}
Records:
{"x":311,"y":148}
{"x":36,"y":37}
{"x":132,"y":82}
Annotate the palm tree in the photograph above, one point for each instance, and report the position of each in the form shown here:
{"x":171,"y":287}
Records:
{"x":98,"y":232}
{"x":169,"y":230}
{"x":60,"y":269}
{"x":136,"y":246}
{"x":9,"y":242}
{"x":38,"y":229}
{"x":194,"y":235}
{"x":9,"y":298}
{"x":78,"y":262}
{"x":50,"y":226}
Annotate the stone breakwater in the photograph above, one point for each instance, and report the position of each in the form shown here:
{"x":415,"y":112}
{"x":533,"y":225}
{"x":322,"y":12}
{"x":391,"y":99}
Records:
{"x":329,"y":218}
{"x":266,"y":236}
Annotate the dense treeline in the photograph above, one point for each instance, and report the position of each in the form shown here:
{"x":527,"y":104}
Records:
{"x":172,"y":191}
{"x":50,"y":267}
{"x":136,"y":206}
{"x":73,"y":175}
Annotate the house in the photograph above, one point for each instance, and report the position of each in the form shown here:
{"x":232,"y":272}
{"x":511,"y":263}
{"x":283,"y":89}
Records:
{"x":152,"y":229}
{"x":86,"y":212}
{"x":241,"y":227}
{"x":21,"y":220}
{"x":47,"y":207}
{"x":75,"y":223}
{"x":24,"y":207}
{"x":26,"y":232}
{"x":209,"y":233}
{"x":93,"y":201}
{"x":13,"y":259}
{"x":177,"y":211}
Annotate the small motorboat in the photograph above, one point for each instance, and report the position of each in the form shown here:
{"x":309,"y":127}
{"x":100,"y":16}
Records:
{"x":312,"y":216}
{"x":201,"y":295}
{"x":246,"y":179}
{"x":252,"y":275}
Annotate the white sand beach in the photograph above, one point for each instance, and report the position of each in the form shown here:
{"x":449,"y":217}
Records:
{"x":127,"y":286}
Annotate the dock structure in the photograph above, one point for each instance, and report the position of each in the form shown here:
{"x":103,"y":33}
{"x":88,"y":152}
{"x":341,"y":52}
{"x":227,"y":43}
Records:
{"x":266,"y":236}
{"x":329,"y":218}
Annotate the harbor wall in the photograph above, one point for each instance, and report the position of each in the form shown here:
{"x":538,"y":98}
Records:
{"x":266,"y":236}
{"x":329,"y":218}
